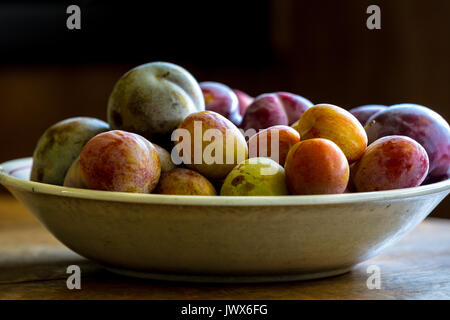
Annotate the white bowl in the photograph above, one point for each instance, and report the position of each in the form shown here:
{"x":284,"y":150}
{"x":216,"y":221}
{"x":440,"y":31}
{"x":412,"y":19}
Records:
{"x":223,"y":239}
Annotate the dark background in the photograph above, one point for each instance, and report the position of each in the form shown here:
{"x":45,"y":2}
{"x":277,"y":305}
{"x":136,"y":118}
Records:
{"x":319,"y":49}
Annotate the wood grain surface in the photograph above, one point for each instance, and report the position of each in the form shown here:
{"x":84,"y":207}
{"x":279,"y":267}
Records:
{"x":33,"y":266}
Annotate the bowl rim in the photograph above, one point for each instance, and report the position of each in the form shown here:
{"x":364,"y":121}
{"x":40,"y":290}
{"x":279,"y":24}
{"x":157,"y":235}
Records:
{"x":289,"y":200}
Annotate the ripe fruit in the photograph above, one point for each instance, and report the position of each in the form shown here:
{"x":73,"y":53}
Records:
{"x":271,"y":109}
{"x":210,"y":144}
{"x":116,"y":161}
{"x":182,"y":181}
{"x":244,"y":100}
{"x":391,"y":162}
{"x":316,"y":166}
{"x":221,"y":99}
{"x":336,"y":124}
{"x":73,"y":177}
{"x":422,"y":125}
{"x":282,"y":138}
{"x":363,"y":113}
{"x":164,"y":157}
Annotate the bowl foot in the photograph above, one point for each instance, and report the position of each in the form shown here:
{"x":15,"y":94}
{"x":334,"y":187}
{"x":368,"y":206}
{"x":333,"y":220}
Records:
{"x":226,"y":278}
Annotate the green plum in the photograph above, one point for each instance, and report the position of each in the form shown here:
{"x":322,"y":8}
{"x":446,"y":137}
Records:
{"x":255,"y":177}
{"x":153,"y":99}
{"x":60,"y":145}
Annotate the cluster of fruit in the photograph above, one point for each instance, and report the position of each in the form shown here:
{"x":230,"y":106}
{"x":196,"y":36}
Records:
{"x":224,"y":141}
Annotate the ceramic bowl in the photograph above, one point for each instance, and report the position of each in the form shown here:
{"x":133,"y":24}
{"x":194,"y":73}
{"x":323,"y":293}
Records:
{"x":223,"y":239}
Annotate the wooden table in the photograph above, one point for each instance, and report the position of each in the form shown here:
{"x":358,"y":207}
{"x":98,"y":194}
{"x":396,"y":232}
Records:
{"x":33,"y":266}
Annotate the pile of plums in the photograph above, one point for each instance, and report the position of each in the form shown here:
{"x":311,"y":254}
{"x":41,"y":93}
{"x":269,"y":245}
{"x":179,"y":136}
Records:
{"x":168,"y":134}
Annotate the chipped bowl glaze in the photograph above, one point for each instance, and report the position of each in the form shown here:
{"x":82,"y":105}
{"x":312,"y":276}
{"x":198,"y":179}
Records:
{"x":223,"y":239}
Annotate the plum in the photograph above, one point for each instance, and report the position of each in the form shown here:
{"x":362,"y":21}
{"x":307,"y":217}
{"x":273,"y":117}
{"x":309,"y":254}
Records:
{"x":210,"y":144}
{"x":316,"y":166}
{"x":221,"y":99}
{"x":271,"y":109}
{"x":116,"y":161}
{"x":164,"y":157}
{"x":421,"y":124}
{"x":182,"y":181}
{"x":153,"y":99}
{"x":60,"y":145}
{"x":244,"y":100}
{"x":391,"y":162}
{"x":73,"y":177}
{"x":363,"y":113}
{"x":336,"y":124}
{"x":284,"y":137}
{"x":255,"y":177}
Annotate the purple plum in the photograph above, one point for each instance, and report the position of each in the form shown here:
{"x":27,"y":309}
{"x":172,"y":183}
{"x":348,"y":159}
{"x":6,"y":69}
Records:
{"x":421,"y":124}
{"x":221,"y":99}
{"x":363,"y":113}
{"x":271,"y":109}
